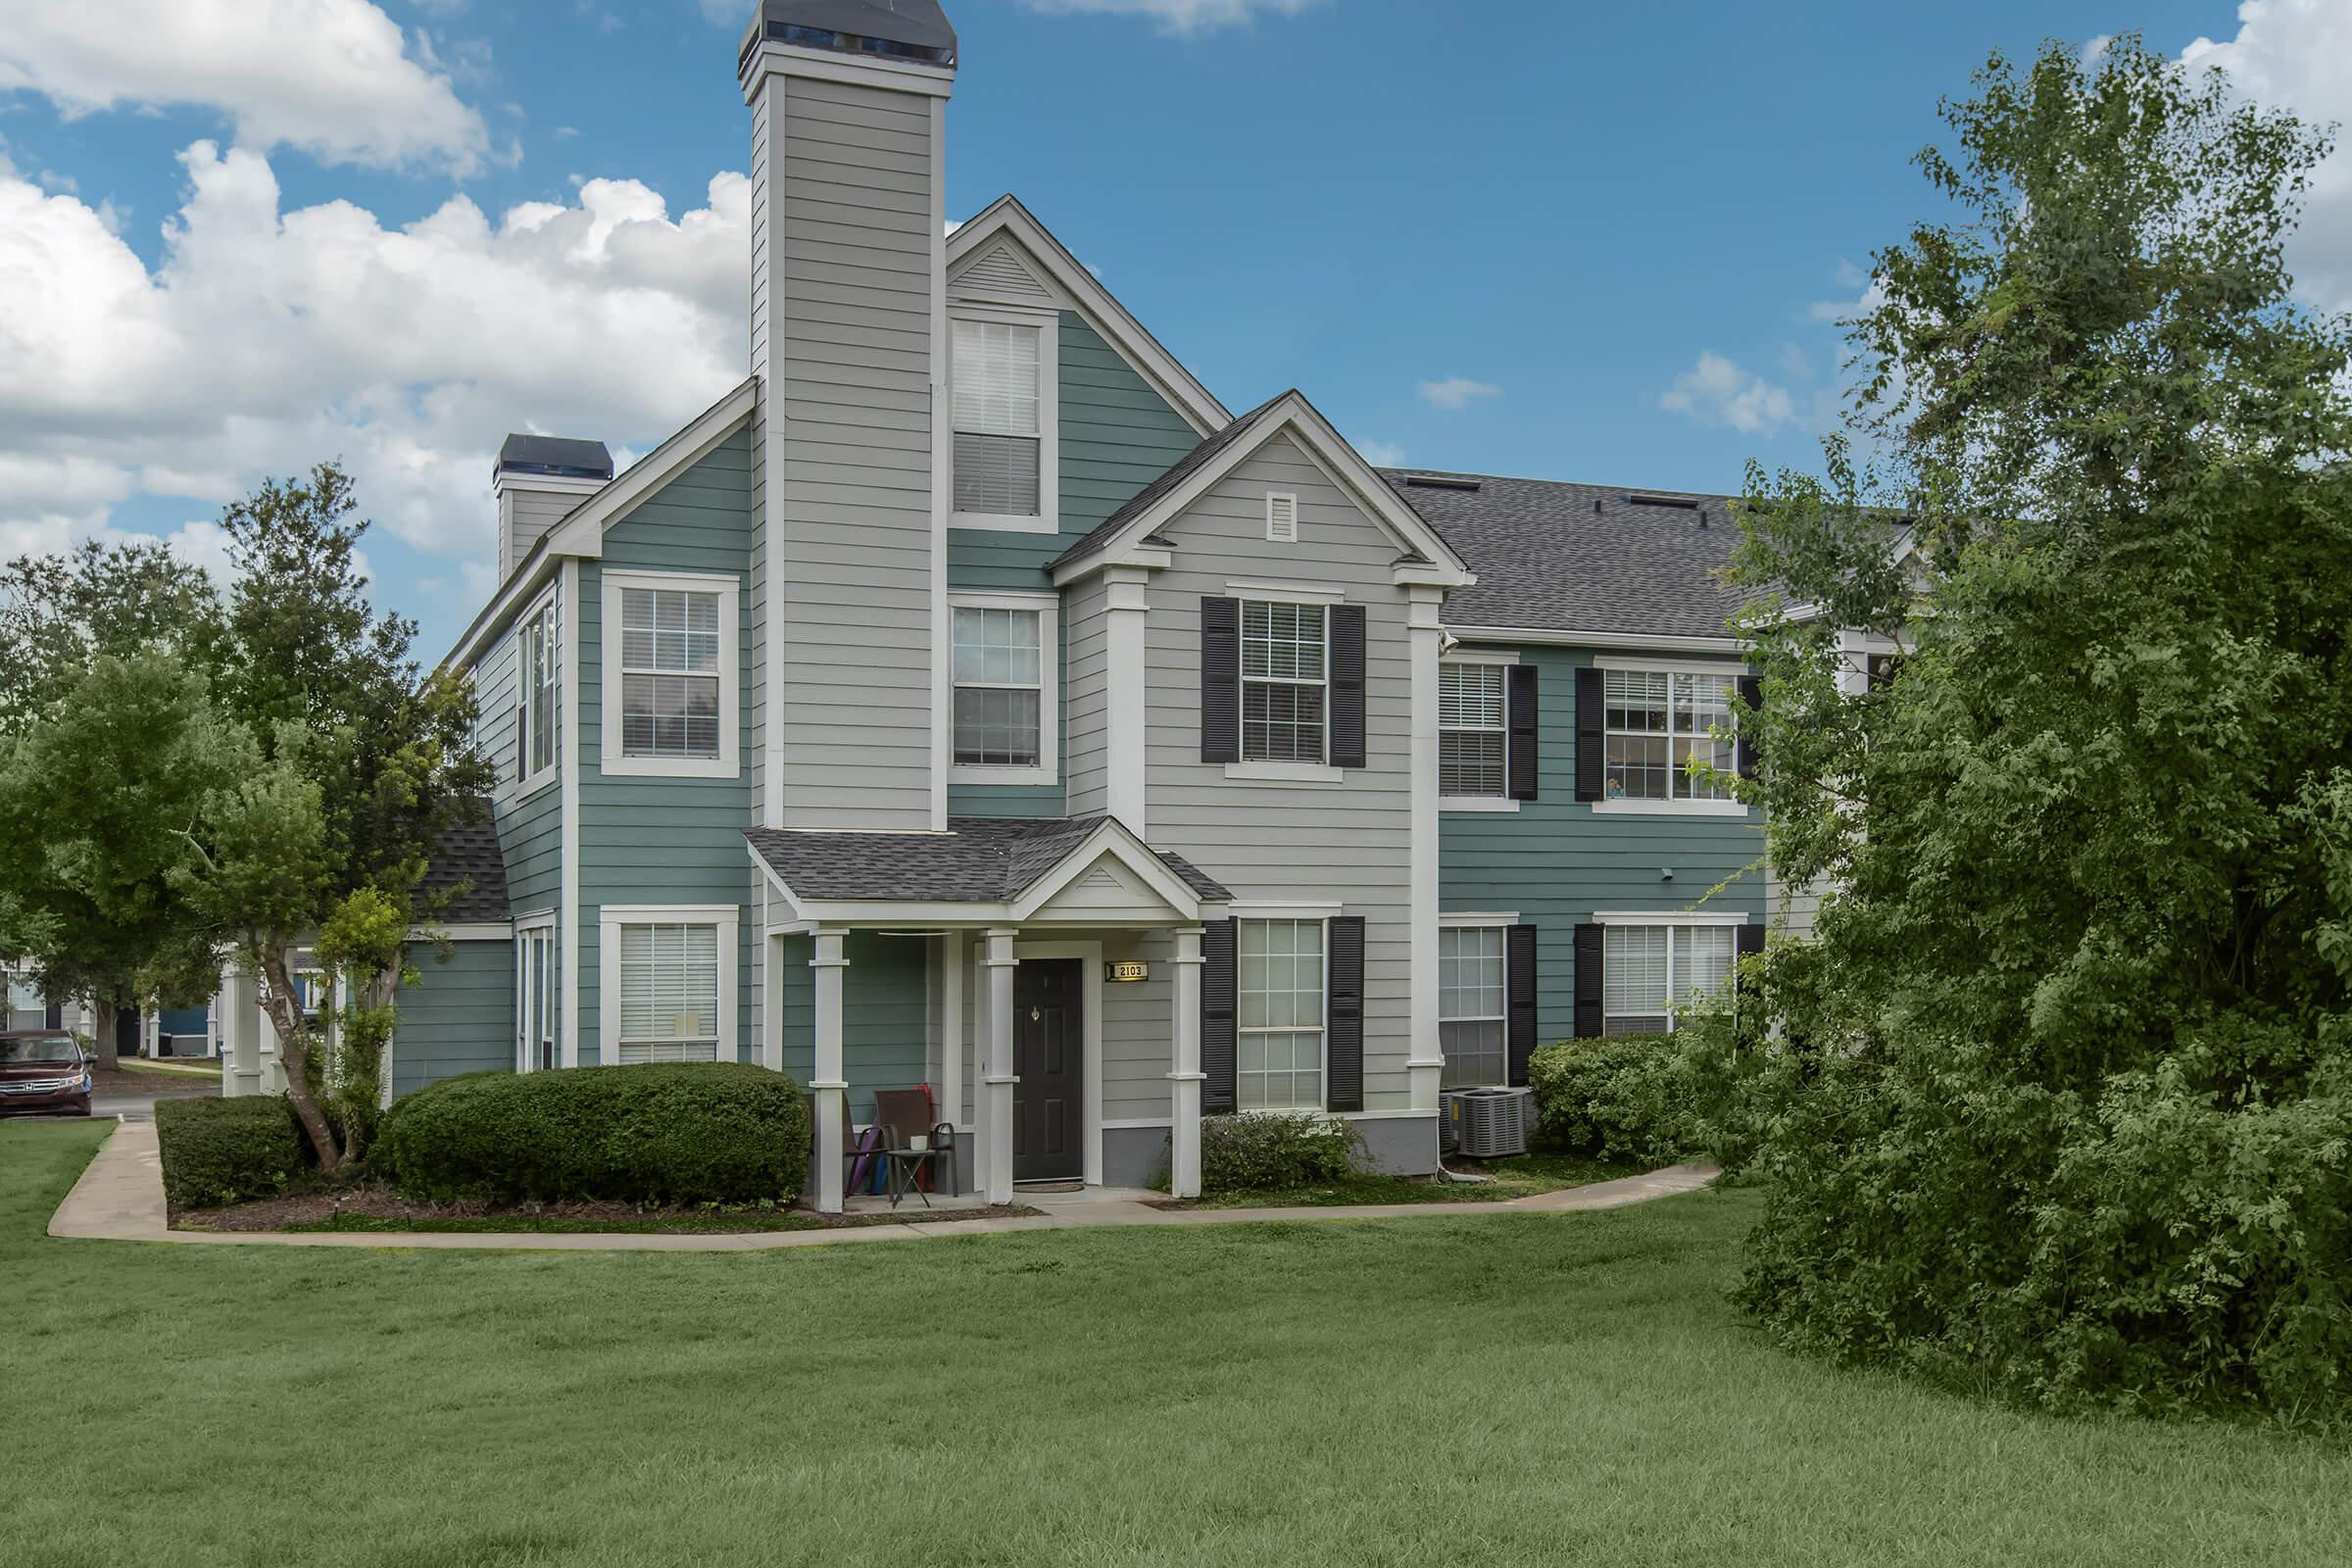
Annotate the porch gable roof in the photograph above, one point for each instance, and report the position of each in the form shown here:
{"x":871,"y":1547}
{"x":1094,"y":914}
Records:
{"x":978,"y":860}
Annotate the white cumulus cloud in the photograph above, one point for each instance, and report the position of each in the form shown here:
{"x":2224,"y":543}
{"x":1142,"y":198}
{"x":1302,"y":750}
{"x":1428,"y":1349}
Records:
{"x":1456,"y":392}
{"x":266,"y":339}
{"x":335,"y":78}
{"x":1717,"y":391}
{"x":2297,"y":54}
{"x":1179,"y":16}
{"x":1381,"y":454}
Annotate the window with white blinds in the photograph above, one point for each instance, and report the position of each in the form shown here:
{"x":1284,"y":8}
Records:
{"x":1650,"y":971}
{"x":1285,"y":680}
{"x":669,"y":657}
{"x":668,"y":993}
{"x":1471,"y":991}
{"x":999,"y":415}
{"x":1470,"y":730}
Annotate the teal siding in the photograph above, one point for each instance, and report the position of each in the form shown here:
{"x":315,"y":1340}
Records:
{"x":884,"y":1013}
{"x":458,"y":1018}
{"x":1117,"y":435}
{"x":1555,"y":862}
{"x":664,"y":840}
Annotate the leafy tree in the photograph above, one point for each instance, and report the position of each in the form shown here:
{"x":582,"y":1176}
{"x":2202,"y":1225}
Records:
{"x":97,"y":793}
{"x":2072,"y":1048}
{"x":359,"y":762}
{"x":58,"y":614}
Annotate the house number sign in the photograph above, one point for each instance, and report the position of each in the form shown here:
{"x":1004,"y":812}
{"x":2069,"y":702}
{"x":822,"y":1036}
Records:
{"x":1123,"y":971}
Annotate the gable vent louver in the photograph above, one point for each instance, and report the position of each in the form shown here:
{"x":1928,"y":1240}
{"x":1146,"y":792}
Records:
{"x":1000,"y":272}
{"x":1282,"y":517}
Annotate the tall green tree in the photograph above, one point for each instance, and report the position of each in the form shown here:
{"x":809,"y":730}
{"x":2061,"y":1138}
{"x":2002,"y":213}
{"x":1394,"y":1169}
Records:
{"x":360,"y":761}
{"x":98,"y":792}
{"x":2068,"y":1091}
{"x":59,"y":613}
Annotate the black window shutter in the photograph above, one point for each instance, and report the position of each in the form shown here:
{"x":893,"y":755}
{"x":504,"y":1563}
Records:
{"x":1588,"y":982}
{"x":1591,"y":750}
{"x":1221,"y":681}
{"x":1752,"y":693}
{"x":1217,"y":986}
{"x":1519,"y":709}
{"x":1748,"y":939}
{"x":1344,"y":1014}
{"x":522,"y":745}
{"x":1347,"y":685}
{"x":1519,"y":999}
{"x":56,"y":1017}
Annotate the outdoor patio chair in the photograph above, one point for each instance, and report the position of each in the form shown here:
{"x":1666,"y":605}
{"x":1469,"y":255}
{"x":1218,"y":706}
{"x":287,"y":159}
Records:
{"x":904,"y":1113}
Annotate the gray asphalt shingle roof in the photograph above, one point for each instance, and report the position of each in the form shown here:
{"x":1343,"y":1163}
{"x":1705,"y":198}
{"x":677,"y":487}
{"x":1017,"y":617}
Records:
{"x":978,"y":860}
{"x":1559,"y":556}
{"x":469,"y":856}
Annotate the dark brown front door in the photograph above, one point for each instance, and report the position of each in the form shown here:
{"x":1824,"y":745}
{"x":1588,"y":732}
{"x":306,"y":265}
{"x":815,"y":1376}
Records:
{"x":1050,"y":1062}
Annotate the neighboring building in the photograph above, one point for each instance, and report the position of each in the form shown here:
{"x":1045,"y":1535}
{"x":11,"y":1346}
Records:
{"x":968,"y":700}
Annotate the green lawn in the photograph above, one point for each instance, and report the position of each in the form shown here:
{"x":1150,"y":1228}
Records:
{"x":1502,"y":1389}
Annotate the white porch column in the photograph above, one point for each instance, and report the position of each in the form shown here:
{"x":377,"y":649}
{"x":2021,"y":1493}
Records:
{"x":953,"y":964}
{"x":1184,"y":1082}
{"x":1126,"y":600}
{"x":240,"y":1034}
{"x":1427,"y":1062}
{"x":829,"y":1084}
{"x":996,"y":1078}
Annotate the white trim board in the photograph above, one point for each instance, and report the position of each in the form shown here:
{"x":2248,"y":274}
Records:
{"x":1668,"y":917}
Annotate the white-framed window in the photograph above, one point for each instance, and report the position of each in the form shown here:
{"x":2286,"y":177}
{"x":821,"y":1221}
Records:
{"x":1003,"y":399}
{"x":1473,"y":989}
{"x":668,"y":993}
{"x":1654,"y":722}
{"x":535,"y":996}
{"x":1648,"y":971}
{"x":1005,"y":652}
{"x":1473,"y":731}
{"x":1280,"y":1004}
{"x":672,"y":674}
{"x":1286,"y":681}
{"x":538,"y":681}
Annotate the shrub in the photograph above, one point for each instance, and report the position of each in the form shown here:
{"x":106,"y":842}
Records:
{"x":1263,"y":1151}
{"x":1627,"y":1096}
{"x":669,"y":1132}
{"x":219,"y":1152}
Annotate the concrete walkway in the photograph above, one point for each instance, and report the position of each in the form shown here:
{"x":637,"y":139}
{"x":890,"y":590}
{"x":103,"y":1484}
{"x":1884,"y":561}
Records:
{"x":120,"y":1198}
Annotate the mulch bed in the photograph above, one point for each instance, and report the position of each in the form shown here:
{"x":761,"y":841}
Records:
{"x":381,"y":1208}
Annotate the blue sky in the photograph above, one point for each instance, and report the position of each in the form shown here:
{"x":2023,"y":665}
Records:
{"x":1576,"y":241}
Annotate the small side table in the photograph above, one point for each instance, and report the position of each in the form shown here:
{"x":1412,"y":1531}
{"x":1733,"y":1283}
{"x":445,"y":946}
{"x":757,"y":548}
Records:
{"x":904,"y":1169}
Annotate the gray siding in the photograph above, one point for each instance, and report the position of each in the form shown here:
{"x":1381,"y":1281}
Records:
{"x":1139,"y":1044}
{"x":458,"y":1018}
{"x":523,"y":516}
{"x":664,"y":840}
{"x":1555,"y":860}
{"x":850,"y":380}
{"x":1348,"y":842}
{"x":1085,"y":699}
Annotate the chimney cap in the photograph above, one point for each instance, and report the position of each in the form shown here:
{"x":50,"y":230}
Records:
{"x":556,"y":455}
{"x":892,"y":29}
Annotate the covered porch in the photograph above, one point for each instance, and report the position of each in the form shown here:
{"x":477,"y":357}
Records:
{"x":1039,"y":981}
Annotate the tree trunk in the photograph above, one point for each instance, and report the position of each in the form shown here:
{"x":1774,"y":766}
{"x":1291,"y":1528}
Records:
{"x":293,"y":1054}
{"x":102,"y":1047}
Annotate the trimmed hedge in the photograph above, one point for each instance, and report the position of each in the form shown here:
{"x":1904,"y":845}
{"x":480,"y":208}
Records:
{"x":1262,"y":1150}
{"x":1626,"y":1096}
{"x":219,"y":1152}
{"x":704,"y":1132}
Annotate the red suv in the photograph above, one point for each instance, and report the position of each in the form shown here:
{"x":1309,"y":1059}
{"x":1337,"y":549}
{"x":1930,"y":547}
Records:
{"x":42,"y":1073}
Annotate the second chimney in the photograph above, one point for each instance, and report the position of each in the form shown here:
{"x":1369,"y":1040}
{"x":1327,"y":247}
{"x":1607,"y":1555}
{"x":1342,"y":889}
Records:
{"x":538,"y":481}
